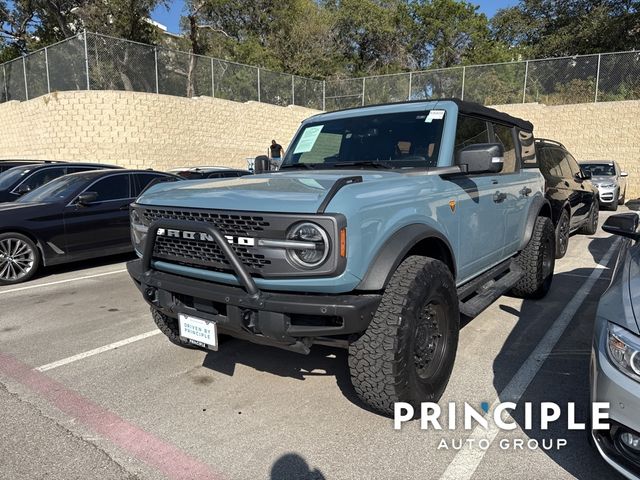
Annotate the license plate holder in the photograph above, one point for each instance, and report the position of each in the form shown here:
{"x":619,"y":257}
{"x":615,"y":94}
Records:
{"x":198,"y":331}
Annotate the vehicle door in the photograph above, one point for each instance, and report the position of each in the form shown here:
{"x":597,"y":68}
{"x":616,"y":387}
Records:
{"x":480,"y":213}
{"x":38,"y":178}
{"x":513,"y":183}
{"x":102,"y":226}
{"x":582,"y":187}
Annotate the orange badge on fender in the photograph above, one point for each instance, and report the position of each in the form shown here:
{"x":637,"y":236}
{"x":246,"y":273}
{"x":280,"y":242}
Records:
{"x":452,"y":206}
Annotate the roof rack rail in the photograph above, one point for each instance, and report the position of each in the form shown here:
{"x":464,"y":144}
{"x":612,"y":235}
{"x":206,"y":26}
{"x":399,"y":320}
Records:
{"x":548,"y":140}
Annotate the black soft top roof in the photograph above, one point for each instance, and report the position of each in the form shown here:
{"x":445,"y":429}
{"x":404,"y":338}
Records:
{"x":482,"y":111}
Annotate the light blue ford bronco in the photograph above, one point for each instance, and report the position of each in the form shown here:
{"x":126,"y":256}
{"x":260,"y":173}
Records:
{"x":383,"y":226}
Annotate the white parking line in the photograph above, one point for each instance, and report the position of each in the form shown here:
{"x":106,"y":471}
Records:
{"x":86,"y":277}
{"x":96,"y":351}
{"x":466,"y":461}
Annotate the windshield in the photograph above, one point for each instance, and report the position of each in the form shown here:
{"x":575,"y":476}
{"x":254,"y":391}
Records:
{"x":60,"y":189}
{"x":599,"y":169}
{"x":396,"y":140}
{"x":11,"y":176}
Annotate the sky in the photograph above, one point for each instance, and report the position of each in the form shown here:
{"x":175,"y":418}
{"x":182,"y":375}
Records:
{"x":171,"y":17}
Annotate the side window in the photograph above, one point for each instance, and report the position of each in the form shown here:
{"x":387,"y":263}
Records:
{"x":41,"y":177}
{"x":470,"y":131}
{"x":115,"y":187}
{"x":562,"y":168}
{"x":504,"y":136}
{"x":143,"y":180}
{"x":573,"y":164}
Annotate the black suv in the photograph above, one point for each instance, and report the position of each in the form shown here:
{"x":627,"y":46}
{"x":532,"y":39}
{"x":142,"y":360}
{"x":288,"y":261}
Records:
{"x":574,"y":200}
{"x":19,"y":180}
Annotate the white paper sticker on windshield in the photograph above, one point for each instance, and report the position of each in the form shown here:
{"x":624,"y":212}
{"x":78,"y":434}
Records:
{"x":308,"y":139}
{"x":434,"y":115}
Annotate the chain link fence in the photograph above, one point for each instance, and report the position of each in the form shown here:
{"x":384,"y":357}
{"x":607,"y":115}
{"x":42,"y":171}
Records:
{"x":98,"y":62}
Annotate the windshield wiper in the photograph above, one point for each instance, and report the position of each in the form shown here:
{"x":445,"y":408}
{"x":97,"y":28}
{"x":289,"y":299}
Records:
{"x":365,"y":163}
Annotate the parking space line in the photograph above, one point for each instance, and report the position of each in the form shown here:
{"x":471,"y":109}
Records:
{"x":86,"y":277}
{"x":468,"y":458}
{"x":168,"y":459}
{"x":96,"y":351}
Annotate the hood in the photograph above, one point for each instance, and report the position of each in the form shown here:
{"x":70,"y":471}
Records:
{"x":597,"y":180}
{"x":282,"y":192}
{"x":13,"y":213}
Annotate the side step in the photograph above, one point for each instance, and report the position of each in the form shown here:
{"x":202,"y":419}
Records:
{"x":481,"y":292}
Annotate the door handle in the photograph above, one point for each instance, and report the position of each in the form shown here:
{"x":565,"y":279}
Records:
{"x":499,"y":197}
{"x":525,"y":191}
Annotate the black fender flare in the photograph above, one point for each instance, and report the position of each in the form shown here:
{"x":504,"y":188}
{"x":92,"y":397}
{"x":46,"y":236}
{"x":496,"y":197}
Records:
{"x":395,"y":249}
{"x":540,"y":206}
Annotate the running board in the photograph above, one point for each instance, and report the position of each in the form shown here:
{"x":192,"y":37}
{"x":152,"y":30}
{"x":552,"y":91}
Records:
{"x":481,"y":292}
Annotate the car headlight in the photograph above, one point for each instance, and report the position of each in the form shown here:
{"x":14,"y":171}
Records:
{"x":624,"y":350}
{"x":138,"y":231}
{"x":607,"y":185}
{"x":314,"y":245}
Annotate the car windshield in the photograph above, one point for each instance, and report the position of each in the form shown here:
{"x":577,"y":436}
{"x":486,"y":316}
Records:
{"x":11,"y":176}
{"x":599,"y":169}
{"x":396,"y":140}
{"x":60,"y":189}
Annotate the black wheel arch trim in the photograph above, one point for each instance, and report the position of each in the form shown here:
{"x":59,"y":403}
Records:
{"x":395,"y":249}
{"x":540,"y":206}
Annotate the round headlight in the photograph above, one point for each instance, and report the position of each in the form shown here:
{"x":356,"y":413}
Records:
{"x":317,"y":249}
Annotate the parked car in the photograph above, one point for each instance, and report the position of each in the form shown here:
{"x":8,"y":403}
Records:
{"x":7,"y":164}
{"x":74,"y":217}
{"x":193,"y":173}
{"x":615,"y":354}
{"x":610,"y":180}
{"x":417,"y":211}
{"x":17,"y":181}
{"x":573,"y":198}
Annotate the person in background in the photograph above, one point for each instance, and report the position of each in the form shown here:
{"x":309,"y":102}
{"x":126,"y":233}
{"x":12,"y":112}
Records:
{"x":276,"y":152}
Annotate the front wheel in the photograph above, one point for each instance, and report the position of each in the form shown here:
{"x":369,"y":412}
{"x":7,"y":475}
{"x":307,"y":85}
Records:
{"x":19,"y":258}
{"x":590,"y":227}
{"x":562,"y":234}
{"x":407,"y":352}
{"x":537,"y":261}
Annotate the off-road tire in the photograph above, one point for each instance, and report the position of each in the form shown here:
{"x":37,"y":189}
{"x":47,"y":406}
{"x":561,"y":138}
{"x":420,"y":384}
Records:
{"x":169,"y":326}
{"x":590,"y":227}
{"x":389,"y":362}
{"x":563,"y":229}
{"x":537,"y":260}
{"x":11,"y":240}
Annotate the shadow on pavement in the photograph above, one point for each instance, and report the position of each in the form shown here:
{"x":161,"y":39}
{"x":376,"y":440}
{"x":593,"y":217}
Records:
{"x":84,"y":264}
{"x":292,"y":466}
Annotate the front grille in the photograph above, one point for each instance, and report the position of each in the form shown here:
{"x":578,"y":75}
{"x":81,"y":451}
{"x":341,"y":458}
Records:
{"x":208,"y":254}
{"x":228,"y":224}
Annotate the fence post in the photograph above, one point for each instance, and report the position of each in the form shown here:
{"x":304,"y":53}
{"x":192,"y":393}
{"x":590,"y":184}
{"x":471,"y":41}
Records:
{"x":597,"y":78}
{"x":24,"y":74}
{"x":464,"y":74}
{"x":524,"y":89}
{"x":86,"y":60}
{"x":258,"y":68}
{"x":363,"y":82}
{"x":213,"y":82}
{"x":293,"y":90}
{"x":410,"y":86}
{"x":4,"y":76}
{"x":155,"y":58}
{"x":324,"y":94}
{"x":46,"y":65}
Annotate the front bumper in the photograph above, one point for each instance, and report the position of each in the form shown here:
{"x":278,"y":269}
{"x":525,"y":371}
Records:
{"x":608,"y":195}
{"x":608,"y":384}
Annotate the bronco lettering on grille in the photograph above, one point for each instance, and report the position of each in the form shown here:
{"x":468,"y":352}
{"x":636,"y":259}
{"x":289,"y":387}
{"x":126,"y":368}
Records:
{"x":204,"y":237}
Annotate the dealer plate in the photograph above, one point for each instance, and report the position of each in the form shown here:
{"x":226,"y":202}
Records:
{"x":198,"y":331}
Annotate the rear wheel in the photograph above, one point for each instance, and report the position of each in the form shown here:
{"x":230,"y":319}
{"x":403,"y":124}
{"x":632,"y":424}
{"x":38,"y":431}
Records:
{"x":19,"y":258}
{"x":562,"y":234}
{"x":590,"y":227}
{"x":537,"y":260}
{"x":407,"y":352}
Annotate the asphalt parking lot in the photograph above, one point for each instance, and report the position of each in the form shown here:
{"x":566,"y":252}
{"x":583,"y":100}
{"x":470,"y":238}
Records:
{"x":90,"y":389}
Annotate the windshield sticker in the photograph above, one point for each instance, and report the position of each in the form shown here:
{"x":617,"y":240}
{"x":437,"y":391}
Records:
{"x":434,"y":115}
{"x":308,"y":139}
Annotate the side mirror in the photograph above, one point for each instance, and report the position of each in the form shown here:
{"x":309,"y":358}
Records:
{"x":586,"y":174}
{"x":86,"y":198}
{"x":261,"y":164}
{"x":24,"y":188}
{"x":623,"y":224}
{"x":481,"y":158}
{"x":624,"y":174}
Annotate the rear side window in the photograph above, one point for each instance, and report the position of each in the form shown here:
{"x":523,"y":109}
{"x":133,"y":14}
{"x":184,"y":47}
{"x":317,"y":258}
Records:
{"x":470,"y":131}
{"x":504,"y":136}
{"x":115,"y":187}
{"x":143,"y":180}
{"x":42,"y":176}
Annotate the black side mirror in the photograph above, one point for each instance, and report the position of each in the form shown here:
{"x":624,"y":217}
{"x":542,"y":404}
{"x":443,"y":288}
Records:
{"x":86,"y":198}
{"x":623,"y":224}
{"x":24,"y":188}
{"x":481,"y":158}
{"x":585,"y":174}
